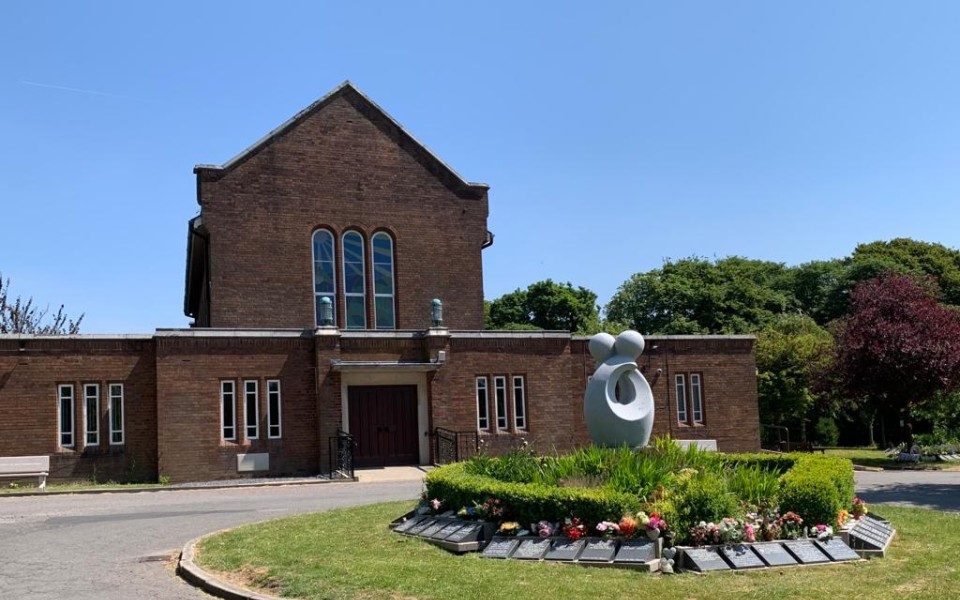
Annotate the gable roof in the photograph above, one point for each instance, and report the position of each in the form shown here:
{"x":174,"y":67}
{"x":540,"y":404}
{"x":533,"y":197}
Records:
{"x":379,"y":117}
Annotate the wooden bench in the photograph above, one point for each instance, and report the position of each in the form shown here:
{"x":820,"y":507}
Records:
{"x":16,"y":467}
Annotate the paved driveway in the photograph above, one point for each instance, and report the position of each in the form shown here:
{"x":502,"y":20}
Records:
{"x":939,"y":490}
{"x":106,"y":546}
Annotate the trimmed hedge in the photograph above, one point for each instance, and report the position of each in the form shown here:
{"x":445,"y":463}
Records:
{"x":528,"y":502}
{"x":814,"y":486}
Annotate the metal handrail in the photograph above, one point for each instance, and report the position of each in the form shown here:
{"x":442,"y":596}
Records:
{"x":340,"y":455}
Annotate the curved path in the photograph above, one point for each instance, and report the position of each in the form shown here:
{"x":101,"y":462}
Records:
{"x":114,"y":546}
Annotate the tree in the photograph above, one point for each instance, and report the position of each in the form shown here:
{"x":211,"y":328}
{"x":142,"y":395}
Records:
{"x":898,"y":347}
{"x":792,"y":352}
{"x":546,"y":305}
{"x":698,"y":296}
{"x":19,"y":315}
{"x":819,"y":289}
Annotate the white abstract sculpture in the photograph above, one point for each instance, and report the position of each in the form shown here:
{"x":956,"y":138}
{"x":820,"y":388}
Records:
{"x":613,"y":421}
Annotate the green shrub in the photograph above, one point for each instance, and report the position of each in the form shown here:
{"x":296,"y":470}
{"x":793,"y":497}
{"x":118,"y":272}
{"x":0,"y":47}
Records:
{"x":528,"y":502}
{"x":817,"y":487}
{"x":702,"y":497}
{"x":754,"y":484}
{"x":827,"y":431}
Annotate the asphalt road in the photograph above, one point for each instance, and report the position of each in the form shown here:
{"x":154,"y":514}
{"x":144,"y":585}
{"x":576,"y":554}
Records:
{"x":107,"y":546}
{"x":114,"y":545}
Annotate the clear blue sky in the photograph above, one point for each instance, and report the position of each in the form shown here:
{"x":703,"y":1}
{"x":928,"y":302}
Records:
{"x":612,"y":135}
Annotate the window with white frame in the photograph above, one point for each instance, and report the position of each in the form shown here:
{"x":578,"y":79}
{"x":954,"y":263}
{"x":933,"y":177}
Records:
{"x":228,"y":420}
{"x":483,"y":414}
{"x":681,"y":388}
{"x":251,"y":409}
{"x":324,"y":279}
{"x":696,"y":398}
{"x":91,"y":414}
{"x":354,"y":281}
{"x":519,"y":403}
{"x":116,"y":413}
{"x":500,"y":395}
{"x":273,"y":409}
{"x":65,"y":414}
{"x":383,"y":306}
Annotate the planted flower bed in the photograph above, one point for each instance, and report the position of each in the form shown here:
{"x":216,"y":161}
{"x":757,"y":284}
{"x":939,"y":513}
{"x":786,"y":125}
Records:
{"x":665,"y":494}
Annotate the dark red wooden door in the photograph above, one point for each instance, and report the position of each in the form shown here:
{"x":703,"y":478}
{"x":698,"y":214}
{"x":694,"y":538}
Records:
{"x":383,"y":421}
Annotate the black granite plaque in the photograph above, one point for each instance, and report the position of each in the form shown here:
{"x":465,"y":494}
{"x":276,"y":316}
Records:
{"x":774,"y":555}
{"x":598,"y":551}
{"x":563,"y":549}
{"x":434,"y":528}
{"x":448,"y":514}
{"x":636,"y":551}
{"x":500,"y":547}
{"x":468,"y":533}
{"x":704,"y":559}
{"x":404,"y":526}
{"x":532,"y":549}
{"x":877,"y":537}
{"x":837,"y":550}
{"x":421,"y":526}
{"x":449,"y":530}
{"x":806,"y":552}
{"x":740,"y":556}
{"x":862,"y":538}
{"x":876,"y":525}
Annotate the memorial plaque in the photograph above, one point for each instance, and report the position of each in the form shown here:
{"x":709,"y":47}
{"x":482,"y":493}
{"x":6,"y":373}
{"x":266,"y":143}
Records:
{"x":419,"y":527}
{"x":563,"y":549}
{"x":432,"y":530}
{"x":448,"y":514}
{"x":806,"y":552}
{"x":468,"y":533}
{"x":598,"y":551}
{"x":636,"y":551}
{"x":404,"y":526}
{"x":741,"y":557}
{"x":704,"y":559}
{"x":449,"y":530}
{"x":877,"y":524}
{"x":877,"y":537}
{"x":862,"y":538}
{"x":500,"y":547}
{"x":837,"y":550}
{"x":774,"y":555}
{"x":532,"y":549}
{"x":875,"y":527}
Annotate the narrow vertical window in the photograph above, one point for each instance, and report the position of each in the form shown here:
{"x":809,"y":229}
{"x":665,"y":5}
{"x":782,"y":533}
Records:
{"x":681,"y":387}
{"x":500,"y":394}
{"x":519,"y":403}
{"x":483,"y":415}
{"x":228,"y":422}
{"x":251,"y":409}
{"x":116,"y":414}
{"x":324,"y":280}
{"x":696,"y":398}
{"x":273,"y":409}
{"x":65,"y":410}
{"x":383,"y":306}
{"x":91,"y":414}
{"x":354,"y":281}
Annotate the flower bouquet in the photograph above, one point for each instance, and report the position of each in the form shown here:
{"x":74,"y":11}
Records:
{"x":574,"y":528}
{"x":791,"y":526}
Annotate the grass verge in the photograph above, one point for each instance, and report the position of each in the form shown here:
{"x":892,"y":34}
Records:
{"x":871,"y":457}
{"x":349,"y":553}
{"x":67,"y":488}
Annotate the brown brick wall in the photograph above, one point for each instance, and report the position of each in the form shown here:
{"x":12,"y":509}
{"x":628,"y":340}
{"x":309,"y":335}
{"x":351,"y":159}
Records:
{"x":31,"y":370}
{"x":189,"y":372}
{"x":340,"y":170}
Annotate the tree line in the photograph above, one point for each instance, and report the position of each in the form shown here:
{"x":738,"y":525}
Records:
{"x":841,"y":342}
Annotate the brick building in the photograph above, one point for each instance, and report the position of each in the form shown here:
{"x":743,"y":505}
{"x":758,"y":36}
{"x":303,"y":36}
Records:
{"x":310,"y":275}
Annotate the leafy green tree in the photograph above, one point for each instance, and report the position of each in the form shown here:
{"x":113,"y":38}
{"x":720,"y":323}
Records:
{"x":546,"y":305}
{"x":792,"y":353}
{"x":820,"y":289}
{"x":699,"y":296}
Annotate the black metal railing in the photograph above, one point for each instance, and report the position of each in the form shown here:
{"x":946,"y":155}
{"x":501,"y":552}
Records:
{"x":341,"y":448}
{"x":775,"y":437}
{"x":453,"y":446}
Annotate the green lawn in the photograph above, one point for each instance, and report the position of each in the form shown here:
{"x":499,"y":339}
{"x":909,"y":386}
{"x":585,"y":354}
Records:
{"x":350,"y":553}
{"x":80,"y":486}
{"x":871,"y":457}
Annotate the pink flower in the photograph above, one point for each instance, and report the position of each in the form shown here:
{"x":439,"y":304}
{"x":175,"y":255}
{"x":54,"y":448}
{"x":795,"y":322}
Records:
{"x":435,"y":504}
{"x":749,"y":533}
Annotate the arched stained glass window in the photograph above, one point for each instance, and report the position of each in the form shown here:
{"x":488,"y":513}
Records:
{"x":383,"y":293}
{"x":354,"y":281}
{"x":324,"y":278}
